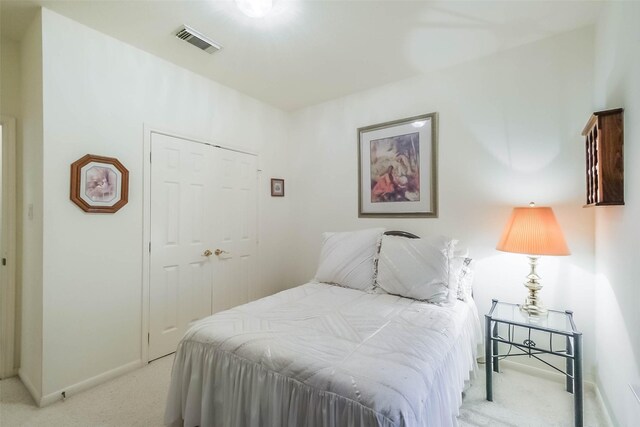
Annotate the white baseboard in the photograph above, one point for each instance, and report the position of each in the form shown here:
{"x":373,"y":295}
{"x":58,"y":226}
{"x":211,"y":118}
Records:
{"x":29,"y":386}
{"x":10,"y":373}
{"x":88,"y":383}
{"x":605,"y":408}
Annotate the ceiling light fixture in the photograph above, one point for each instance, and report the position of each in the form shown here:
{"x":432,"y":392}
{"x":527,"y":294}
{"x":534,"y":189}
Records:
{"x":255,"y":8}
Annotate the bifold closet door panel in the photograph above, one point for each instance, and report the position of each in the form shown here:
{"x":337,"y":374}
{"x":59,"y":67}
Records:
{"x":235,"y":230}
{"x":182,"y":182}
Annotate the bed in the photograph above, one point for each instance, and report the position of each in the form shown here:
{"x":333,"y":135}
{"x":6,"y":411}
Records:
{"x":324,"y":355}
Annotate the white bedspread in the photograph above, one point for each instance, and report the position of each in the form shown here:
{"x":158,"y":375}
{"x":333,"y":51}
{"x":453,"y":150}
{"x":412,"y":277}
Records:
{"x":322,"y":355}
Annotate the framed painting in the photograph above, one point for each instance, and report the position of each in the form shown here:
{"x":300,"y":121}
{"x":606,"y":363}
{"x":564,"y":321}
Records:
{"x":99,"y":184}
{"x":277,"y":187}
{"x":397,"y":164}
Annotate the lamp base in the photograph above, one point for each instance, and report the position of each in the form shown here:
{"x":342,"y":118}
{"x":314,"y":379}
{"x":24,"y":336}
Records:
{"x":532,"y":304}
{"x":533,"y":310}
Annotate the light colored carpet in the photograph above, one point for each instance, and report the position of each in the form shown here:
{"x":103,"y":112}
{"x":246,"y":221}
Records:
{"x":134,"y":399}
{"x":520,"y":399}
{"x":138,"y":399}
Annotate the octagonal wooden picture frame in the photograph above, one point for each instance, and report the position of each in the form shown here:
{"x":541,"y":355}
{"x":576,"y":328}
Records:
{"x":99,"y":184}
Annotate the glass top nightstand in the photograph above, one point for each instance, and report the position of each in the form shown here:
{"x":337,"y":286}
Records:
{"x":560,"y":322}
{"x":534,"y":337}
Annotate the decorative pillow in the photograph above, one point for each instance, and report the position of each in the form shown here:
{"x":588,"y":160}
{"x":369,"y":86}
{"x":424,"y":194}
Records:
{"x":348,"y":258}
{"x":462,"y":276}
{"x":455,"y":267}
{"x":416,"y":268}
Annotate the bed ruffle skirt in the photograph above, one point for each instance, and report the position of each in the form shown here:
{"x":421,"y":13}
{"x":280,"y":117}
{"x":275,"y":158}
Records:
{"x":211,"y":387}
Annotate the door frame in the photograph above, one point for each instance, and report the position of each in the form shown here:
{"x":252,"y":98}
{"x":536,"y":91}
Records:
{"x":148,"y":131}
{"x":9,"y":322}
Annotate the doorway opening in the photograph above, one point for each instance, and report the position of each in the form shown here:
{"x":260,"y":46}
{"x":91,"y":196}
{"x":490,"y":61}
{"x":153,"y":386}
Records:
{"x":9,"y":338}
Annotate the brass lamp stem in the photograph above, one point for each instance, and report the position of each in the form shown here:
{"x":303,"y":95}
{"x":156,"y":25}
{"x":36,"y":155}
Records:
{"x":532,"y":304}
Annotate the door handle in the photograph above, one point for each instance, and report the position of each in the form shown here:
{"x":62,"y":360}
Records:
{"x":207,"y":253}
{"x":219,"y":252}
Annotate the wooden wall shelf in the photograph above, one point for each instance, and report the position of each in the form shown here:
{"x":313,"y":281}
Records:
{"x":604,"y":140}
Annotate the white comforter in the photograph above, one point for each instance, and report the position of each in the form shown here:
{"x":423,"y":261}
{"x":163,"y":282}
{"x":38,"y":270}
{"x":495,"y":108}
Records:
{"x":322,"y":355}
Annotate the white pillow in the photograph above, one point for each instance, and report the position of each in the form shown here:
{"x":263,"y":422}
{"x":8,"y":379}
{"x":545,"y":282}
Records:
{"x":416,"y":268}
{"x":348,"y":258}
{"x":462,"y":268}
{"x":455,"y":269}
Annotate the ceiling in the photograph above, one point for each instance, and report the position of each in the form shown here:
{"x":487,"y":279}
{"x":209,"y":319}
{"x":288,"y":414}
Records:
{"x":305,"y":52}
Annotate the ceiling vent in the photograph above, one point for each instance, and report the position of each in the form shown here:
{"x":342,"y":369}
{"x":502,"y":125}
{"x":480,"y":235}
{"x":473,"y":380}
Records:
{"x":197,"y":39}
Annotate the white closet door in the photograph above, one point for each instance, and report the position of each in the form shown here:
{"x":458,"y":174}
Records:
{"x":180,"y":276}
{"x":235,"y":231}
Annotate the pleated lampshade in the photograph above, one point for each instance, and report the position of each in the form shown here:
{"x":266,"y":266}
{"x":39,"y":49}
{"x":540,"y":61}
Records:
{"x":533,"y":231}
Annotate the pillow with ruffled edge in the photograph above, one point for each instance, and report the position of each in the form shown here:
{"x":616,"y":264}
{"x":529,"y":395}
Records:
{"x":462,"y":269}
{"x":348,"y":258}
{"x":455,"y":267}
{"x":416,"y":268}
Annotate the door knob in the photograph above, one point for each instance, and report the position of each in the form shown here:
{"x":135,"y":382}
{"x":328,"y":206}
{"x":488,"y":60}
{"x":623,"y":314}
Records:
{"x":219,"y":252}
{"x":208,"y":253}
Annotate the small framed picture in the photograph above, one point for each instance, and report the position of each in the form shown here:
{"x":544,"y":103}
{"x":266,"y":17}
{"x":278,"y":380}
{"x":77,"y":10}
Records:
{"x":99,"y":184}
{"x":277,"y":187}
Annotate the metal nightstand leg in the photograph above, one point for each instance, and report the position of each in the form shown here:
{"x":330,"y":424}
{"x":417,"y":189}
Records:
{"x":488,"y":357}
{"x":569,"y":365}
{"x":496,"y":367}
{"x":577,"y":380}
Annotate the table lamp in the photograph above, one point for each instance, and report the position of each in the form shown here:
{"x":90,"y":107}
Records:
{"x":533,"y":231}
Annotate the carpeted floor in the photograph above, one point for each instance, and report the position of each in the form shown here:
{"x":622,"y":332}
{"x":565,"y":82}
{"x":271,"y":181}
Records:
{"x":138,"y":398}
{"x":520,"y":399}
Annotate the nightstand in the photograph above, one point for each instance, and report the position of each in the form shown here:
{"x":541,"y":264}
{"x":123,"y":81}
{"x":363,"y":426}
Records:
{"x":506,"y":320}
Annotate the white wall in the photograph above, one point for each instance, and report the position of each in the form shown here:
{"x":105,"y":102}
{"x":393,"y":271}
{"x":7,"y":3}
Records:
{"x":509,"y":133}
{"x":98,"y":93}
{"x":31,"y":195}
{"x":617,"y":84}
